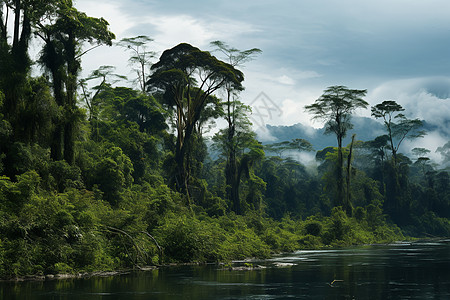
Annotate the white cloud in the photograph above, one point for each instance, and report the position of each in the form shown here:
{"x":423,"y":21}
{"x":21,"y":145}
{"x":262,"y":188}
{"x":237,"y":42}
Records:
{"x":419,"y":97}
{"x":284,"y":79}
{"x":292,"y":110}
{"x":424,"y":98}
{"x":431,"y":141}
{"x":109,"y":10}
{"x":264,"y":135}
{"x":295,"y":76}
{"x":172,"y":30}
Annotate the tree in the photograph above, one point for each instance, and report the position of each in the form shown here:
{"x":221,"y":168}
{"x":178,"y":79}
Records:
{"x":28,"y":107}
{"x":294,"y":145}
{"x":25,"y":99}
{"x":64,"y":36}
{"x":235,"y":56}
{"x":349,"y":172}
{"x":139,"y":57}
{"x":132,"y":121}
{"x":107,"y":78}
{"x":398,"y":128}
{"x":15,"y":62}
{"x":404,"y":128}
{"x":422,"y":160}
{"x":335,"y":107}
{"x":188,"y":77}
{"x":376,"y":158}
{"x":240,"y":150}
{"x":238,"y":124}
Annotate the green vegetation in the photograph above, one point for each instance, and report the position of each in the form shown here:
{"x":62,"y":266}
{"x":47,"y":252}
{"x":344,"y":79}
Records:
{"x":98,"y":176}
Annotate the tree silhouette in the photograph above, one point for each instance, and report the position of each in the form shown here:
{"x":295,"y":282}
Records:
{"x":335,"y":107}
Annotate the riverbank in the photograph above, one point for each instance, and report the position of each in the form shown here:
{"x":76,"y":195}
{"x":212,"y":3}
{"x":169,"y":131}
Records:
{"x":184,"y":238}
{"x":401,"y":271}
{"x":240,"y":265}
{"x":77,"y":275}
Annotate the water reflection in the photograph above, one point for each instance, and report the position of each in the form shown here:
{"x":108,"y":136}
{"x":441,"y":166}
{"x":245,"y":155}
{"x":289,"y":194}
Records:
{"x":398,"y":271}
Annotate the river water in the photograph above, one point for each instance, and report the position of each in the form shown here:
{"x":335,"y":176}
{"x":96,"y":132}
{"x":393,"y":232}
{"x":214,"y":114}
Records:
{"x":418,"y":270}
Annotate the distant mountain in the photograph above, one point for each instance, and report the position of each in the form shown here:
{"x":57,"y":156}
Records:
{"x":365,"y":128}
{"x":443,"y":127}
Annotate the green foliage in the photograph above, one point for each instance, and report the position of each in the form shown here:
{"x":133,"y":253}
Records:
{"x":189,"y":77}
{"x":23,"y":157}
{"x":130,"y":180}
{"x":50,"y":233}
{"x":64,"y":176}
{"x":431,"y":225}
{"x":188,"y":239}
{"x":140,"y":57}
{"x":313,"y":228}
{"x":398,"y":126}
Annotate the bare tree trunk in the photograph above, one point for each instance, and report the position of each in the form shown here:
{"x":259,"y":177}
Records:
{"x":339,"y":176}
{"x":161,"y":253}
{"x":138,"y":250}
{"x":348,"y":202}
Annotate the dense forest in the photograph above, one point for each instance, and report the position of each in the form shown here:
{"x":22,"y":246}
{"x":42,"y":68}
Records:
{"x":105,"y":172}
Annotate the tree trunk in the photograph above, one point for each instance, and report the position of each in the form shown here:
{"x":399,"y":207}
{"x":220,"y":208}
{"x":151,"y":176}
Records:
{"x":69,"y":141}
{"x":71,"y":105}
{"x":232,"y":179}
{"x":339,"y":176}
{"x":16,"y":23}
{"x":348,"y":202}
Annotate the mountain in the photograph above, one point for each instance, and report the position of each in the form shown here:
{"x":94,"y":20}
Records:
{"x":365,"y":129}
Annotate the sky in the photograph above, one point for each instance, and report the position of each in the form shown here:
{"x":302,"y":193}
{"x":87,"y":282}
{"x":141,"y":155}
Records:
{"x":396,"y":49}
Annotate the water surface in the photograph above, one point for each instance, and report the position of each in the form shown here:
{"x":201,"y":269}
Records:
{"x":398,"y":271}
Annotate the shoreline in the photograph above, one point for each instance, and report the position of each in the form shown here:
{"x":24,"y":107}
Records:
{"x":81,"y":275}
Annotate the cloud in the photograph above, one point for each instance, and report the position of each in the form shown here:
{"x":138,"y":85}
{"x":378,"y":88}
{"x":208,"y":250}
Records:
{"x":264,"y":135}
{"x":111,"y":11}
{"x":360,"y":44}
{"x":431,"y":141}
{"x":284,"y":79}
{"x":427,"y":99}
{"x":424,"y":98}
{"x":172,"y":30}
{"x":292,"y":110}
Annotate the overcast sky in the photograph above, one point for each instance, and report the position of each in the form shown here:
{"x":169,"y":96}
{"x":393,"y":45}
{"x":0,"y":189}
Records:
{"x":396,"y":49}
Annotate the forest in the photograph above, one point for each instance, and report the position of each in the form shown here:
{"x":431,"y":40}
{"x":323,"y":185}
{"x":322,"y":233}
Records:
{"x":105,"y":172}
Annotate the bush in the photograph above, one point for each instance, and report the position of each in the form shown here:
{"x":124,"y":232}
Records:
{"x":337,"y":227}
{"x":313,"y":228}
{"x":65,"y":176}
{"x":186,"y":239}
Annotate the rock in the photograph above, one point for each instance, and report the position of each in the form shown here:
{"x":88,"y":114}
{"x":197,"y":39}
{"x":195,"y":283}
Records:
{"x":283,"y":265}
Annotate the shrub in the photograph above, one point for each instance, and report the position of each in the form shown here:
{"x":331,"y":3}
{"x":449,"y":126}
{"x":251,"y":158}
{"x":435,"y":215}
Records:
{"x":313,"y":228}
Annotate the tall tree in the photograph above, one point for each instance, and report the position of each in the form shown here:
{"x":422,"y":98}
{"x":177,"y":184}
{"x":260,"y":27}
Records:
{"x":398,"y":128}
{"x":397,"y":125}
{"x":349,"y":173}
{"x":105,"y":78}
{"x":140,"y":58}
{"x":235,"y":115}
{"x":17,"y":18}
{"x":376,"y":157}
{"x":335,"y":107}
{"x":27,"y":102}
{"x":240,"y":150}
{"x":64,"y":36}
{"x":188,"y":77}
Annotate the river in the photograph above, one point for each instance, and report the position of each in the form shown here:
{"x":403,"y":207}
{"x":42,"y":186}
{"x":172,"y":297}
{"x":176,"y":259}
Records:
{"x":419,"y":270}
